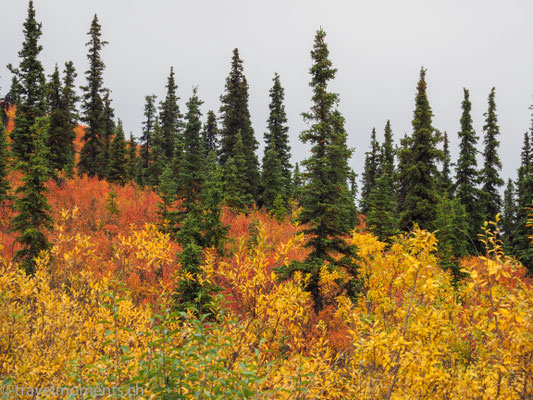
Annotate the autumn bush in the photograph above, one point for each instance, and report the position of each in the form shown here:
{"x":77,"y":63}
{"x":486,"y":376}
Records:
{"x":99,"y":311}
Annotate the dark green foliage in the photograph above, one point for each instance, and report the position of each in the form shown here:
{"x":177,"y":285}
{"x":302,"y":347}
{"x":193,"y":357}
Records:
{"x":170,"y":117}
{"x":107,"y":135}
{"x":33,"y":211}
{"x":381,"y":217}
{"x":387,"y":151}
{"x":278,"y":131}
{"x":210,"y":133}
{"x":201,"y":228}
{"x":29,"y":89}
{"x":509,"y":216}
{"x":70,"y":100}
{"x":117,"y":164}
{"x":452,"y":233}
{"x":297,"y":183}
{"x":191,"y":173}
{"x":236,"y":121}
{"x":211,"y":197}
{"x":167,"y":190}
{"x":147,"y":132}
{"x":352,"y":180}
{"x":272,"y":180}
{"x":491,"y":200}
{"x":371,"y":171}
{"x":132,"y":165}
{"x":521,"y":243}
{"x":326,"y":199}
{"x":279,"y":210}
{"x":446,"y":180}
{"x":158,"y":159}
{"x":111,"y":204}
{"x":404,"y":162}
{"x":93,"y":105}
{"x":420,"y":175}
{"x":466,"y":174}
{"x":4,"y":165}
{"x":62,"y":121}
{"x":236,"y":195}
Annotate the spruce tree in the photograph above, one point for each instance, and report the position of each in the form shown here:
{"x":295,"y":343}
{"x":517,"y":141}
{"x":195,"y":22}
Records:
{"x":446,"y":179}
{"x":509,"y":216}
{"x":236,"y":118}
{"x":236,"y":195}
{"x":158,"y":159}
{"x":297,"y":183}
{"x":93,"y":104}
{"x":420,"y":176}
{"x":278,"y":131}
{"x":490,"y":175}
{"x":170,"y":116}
{"x":371,"y":171}
{"x":210,"y":133}
{"x":404,"y":161}
{"x":150,"y":115}
{"x":109,"y":127}
{"x":191,"y":173}
{"x":467,"y":175}
{"x":4,"y":166}
{"x":116,"y":167}
{"x":29,"y":89}
{"x":522,"y":247}
{"x":70,"y":100}
{"x":132,"y":167}
{"x":381,"y":217}
{"x":33,"y":218}
{"x":61,"y":134}
{"x":272,"y":180}
{"x":326,"y":198}
{"x":201,"y":229}
{"x":387,"y":151}
{"x":452,"y":224}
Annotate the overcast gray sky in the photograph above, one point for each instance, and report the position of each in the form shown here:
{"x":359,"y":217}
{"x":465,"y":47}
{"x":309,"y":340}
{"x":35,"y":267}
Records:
{"x":378,"y":47}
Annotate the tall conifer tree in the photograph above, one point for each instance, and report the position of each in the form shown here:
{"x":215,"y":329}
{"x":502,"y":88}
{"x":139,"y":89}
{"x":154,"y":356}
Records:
{"x":446,"y":179}
{"x":278,"y":131}
{"x":210,"y":133}
{"x":132,"y":168}
{"x":236,"y":118}
{"x":158,"y":159}
{"x":33,"y":218}
{"x":466,"y":173}
{"x":109,"y":127}
{"x":273,"y":182}
{"x":371,"y":171}
{"x":61,"y":134}
{"x":70,"y":100}
{"x":522,"y":247}
{"x":326,"y":198}
{"x":509,"y":215}
{"x":170,"y":117}
{"x":29,"y":88}
{"x":421,"y":176}
{"x":387,"y":151}
{"x":191,"y":173}
{"x":490,"y":175}
{"x":4,"y":165}
{"x":93,"y":104}
{"x":150,"y":115}
{"x":236,"y":194}
{"x":116,"y":167}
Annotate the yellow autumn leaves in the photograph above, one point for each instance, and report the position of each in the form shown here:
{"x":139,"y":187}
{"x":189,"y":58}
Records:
{"x":411,"y":334}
